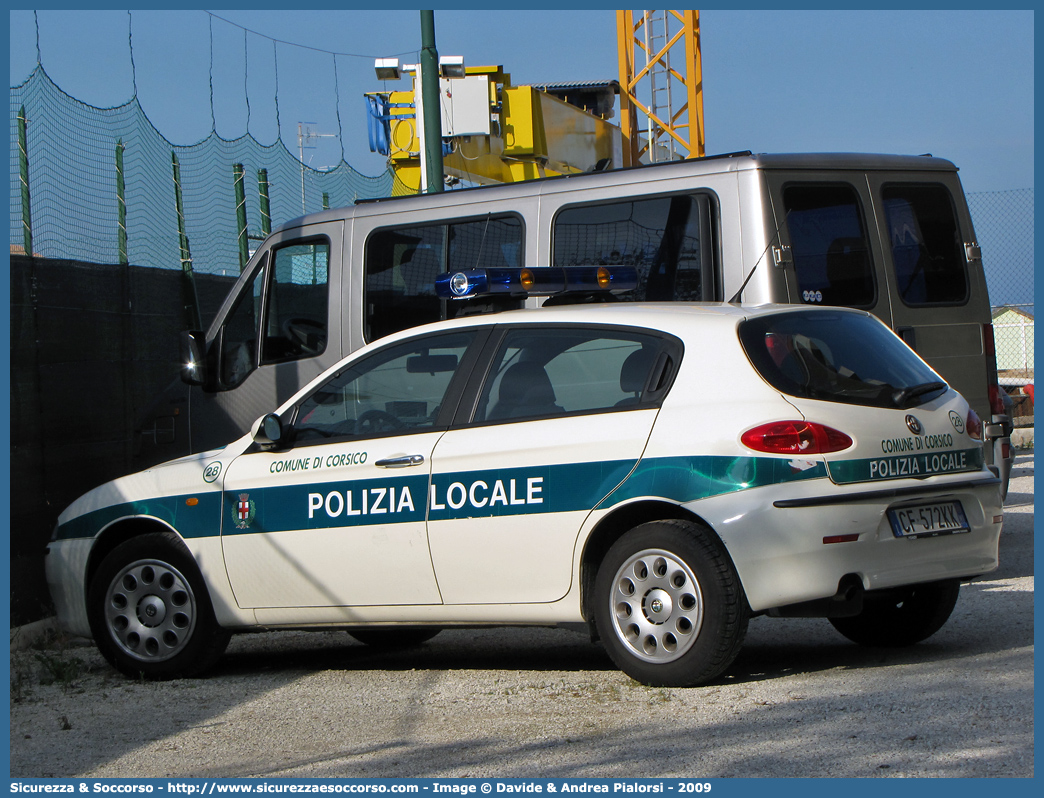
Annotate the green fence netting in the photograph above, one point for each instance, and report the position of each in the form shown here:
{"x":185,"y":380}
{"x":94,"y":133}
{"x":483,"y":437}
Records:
{"x":74,"y":209}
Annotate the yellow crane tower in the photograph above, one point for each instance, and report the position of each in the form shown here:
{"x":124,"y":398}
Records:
{"x":661,"y":76}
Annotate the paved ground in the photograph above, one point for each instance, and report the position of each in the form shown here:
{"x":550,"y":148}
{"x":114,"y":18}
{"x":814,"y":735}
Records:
{"x":799,"y":701}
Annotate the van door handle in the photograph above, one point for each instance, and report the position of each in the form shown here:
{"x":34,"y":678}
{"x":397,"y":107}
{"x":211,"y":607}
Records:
{"x":909,"y":336}
{"x":405,"y":461}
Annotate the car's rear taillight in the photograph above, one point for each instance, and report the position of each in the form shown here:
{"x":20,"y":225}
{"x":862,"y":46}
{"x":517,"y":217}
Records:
{"x":795,"y":437}
{"x":973,"y":426}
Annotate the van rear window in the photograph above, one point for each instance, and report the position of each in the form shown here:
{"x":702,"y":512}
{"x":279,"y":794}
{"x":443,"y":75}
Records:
{"x":828,"y":241}
{"x":926,"y":245}
{"x":837,"y":357}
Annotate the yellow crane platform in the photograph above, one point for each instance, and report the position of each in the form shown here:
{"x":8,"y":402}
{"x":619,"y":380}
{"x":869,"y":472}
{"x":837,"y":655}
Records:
{"x":494,"y":132}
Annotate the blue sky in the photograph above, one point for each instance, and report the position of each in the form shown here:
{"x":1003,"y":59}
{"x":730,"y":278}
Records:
{"x":958,"y":84}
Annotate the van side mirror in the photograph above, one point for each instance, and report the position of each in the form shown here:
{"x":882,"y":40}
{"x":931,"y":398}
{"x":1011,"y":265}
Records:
{"x":193,"y":357}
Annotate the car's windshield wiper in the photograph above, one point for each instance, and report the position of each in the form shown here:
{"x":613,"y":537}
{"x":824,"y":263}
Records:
{"x":902,"y":396}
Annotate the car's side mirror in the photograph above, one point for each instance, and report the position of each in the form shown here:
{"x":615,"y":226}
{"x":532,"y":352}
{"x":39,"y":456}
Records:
{"x":193,"y":357}
{"x":268,"y":430}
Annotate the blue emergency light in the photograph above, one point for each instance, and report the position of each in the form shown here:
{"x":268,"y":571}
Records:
{"x":546,"y":281}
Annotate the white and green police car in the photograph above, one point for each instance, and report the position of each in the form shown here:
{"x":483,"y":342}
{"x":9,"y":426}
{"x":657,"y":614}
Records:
{"x":658,"y":473}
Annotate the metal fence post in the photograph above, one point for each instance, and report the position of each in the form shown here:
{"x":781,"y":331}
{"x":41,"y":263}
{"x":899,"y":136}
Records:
{"x":23,"y":165}
{"x":266,"y":208}
{"x":241,"y":218}
{"x":192,"y":298}
{"x":121,"y":204}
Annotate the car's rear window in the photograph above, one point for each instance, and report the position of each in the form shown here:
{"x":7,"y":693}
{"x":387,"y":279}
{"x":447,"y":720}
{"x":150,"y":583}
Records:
{"x":837,"y":357}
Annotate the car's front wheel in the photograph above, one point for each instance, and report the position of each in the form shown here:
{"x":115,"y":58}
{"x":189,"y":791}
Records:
{"x":150,"y":612}
{"x":901,"y":617}
{"x":669,"y":606}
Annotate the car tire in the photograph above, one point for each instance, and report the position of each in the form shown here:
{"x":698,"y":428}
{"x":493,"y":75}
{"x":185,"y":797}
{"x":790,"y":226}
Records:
{"x":668,"y":604}
{"x":150,"y":611}
{"x":901,"y":618}
{"x":406,"y":637}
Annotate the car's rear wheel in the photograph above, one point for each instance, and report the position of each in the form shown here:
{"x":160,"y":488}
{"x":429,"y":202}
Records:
{"x":668,"y":604}
{"x":150,"y":611}
{"x":393,"y":637}
{"x":901,"y":617}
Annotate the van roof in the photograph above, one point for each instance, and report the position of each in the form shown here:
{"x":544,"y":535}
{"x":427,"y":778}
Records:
{"x":732,"y":162}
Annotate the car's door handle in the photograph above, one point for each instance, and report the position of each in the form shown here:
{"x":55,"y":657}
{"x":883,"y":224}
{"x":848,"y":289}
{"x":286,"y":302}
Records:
{"x":405,"y":461}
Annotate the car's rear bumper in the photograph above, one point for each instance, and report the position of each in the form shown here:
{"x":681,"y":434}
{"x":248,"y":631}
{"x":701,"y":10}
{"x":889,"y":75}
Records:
{"x":796,"y":546}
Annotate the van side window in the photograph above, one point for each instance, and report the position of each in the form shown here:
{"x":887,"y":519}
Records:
{"x":926,"y":244}
{"x":239,"y":332}
{"x":297,"y":303}
{"x":282,"y":316}
{"x":829,"y":245}
{"x":669,"y":240}
{"x":403,"y":262}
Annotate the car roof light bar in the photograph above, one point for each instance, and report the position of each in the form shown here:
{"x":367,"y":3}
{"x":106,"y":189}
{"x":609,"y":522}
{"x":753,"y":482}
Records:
{"x":546,"y":281}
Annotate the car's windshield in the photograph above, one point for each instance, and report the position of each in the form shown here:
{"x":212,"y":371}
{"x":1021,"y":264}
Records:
{"x":838,"y":357}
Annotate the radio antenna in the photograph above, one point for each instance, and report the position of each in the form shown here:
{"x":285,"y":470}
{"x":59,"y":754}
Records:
{"x":775,"y":238}
{"x":482,"y":241}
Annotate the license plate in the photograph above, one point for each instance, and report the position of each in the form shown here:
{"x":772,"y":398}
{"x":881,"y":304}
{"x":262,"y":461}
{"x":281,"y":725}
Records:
{"x":928,"y":520}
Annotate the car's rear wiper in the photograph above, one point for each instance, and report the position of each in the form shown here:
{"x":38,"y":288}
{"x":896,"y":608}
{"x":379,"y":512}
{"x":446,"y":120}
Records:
{"x":902,"y":396}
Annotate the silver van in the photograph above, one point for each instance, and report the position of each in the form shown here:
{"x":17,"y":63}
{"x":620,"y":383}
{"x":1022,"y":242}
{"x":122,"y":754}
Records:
{"x":886,"y":233}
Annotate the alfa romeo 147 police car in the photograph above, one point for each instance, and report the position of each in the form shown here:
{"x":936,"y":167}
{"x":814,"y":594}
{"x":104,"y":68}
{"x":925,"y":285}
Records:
{"x":656,"y":473}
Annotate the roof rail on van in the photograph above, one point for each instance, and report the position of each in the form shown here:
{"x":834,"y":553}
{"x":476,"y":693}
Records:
{"x":738,"y":154}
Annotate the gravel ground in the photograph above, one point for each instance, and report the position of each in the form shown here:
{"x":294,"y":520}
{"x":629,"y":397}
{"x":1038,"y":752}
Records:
{"x":799,"y":701}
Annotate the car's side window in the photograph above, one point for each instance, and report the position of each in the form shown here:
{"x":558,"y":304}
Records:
{"x":396,"y":390}
{"x":548,"y":372}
